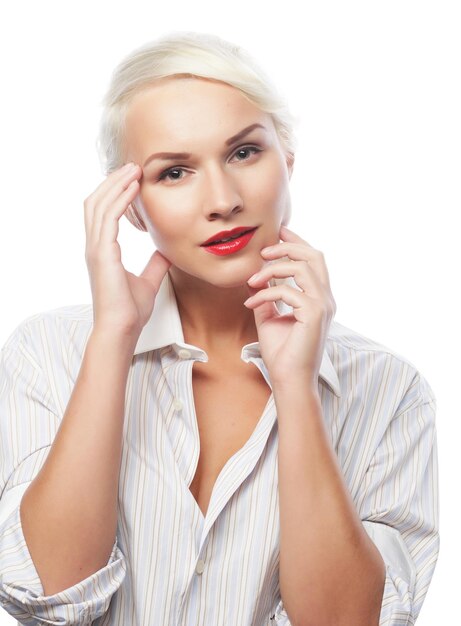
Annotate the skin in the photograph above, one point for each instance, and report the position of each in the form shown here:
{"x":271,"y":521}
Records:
{"x":219,"y":188}
{"x":323,"y":544}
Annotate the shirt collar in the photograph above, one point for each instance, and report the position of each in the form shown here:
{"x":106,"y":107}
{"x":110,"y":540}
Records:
{"x":164,"y":328}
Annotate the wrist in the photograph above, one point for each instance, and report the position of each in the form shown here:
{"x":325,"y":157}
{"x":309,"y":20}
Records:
{"x":121,"y":341}
{"x":295,"y":384}
{"x":296,"y":399}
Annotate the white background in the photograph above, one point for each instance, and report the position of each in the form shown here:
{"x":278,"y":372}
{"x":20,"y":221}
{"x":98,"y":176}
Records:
{"x":376,"y":185}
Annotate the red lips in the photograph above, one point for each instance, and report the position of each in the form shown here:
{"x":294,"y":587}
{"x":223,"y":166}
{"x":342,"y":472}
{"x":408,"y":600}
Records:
{"x":225,"y":234}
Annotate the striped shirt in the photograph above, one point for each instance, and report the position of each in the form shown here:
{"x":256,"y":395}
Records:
{"x":170,"y":564}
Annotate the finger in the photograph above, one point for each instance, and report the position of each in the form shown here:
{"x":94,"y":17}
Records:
{"x":288,"y":235}
{"x":263,"y":311}
{"x":112,"y":199}
{"x":111,"y":179}
{"x":299,"y":252}
{"x":109,"y":223}
{"x":290,"y":296}
{"x":156,"y":269}
{"x":104,"y":195}
{"x":304,"y":276}
{"x":293,"y":250}
{"x":117,"y":187}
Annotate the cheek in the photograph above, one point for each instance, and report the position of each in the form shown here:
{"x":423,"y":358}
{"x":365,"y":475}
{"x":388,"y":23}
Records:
{"x":162,"y":229}
{"x":274,"y":193}
{"x":162,"y":217}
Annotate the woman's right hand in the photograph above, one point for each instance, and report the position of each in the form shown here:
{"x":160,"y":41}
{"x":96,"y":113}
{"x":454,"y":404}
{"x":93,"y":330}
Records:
{"x":122,"y":301}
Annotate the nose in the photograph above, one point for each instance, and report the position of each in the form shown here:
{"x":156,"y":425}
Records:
{"x":221,"y":196}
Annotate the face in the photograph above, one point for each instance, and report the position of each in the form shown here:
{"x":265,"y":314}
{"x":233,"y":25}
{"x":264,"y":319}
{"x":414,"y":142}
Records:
{"x":223,"y":182}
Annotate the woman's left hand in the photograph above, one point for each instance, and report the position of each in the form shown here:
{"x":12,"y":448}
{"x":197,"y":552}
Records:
{"x":292,"y":344}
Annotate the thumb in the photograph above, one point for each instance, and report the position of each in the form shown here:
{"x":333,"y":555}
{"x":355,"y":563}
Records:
{"x":156,"y":269}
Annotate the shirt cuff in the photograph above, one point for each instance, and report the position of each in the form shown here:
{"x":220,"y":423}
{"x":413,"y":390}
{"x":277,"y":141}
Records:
{"x":21,"y":591}
{"x":280,"y":616}
{"x":397,"y":602}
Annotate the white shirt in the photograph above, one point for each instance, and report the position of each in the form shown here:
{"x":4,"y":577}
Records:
{"x":170,"y":565}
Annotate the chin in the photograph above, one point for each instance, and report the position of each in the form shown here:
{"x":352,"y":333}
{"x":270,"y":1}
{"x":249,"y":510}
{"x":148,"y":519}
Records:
{"x":228,"y":276}
{"x":231,"y":281}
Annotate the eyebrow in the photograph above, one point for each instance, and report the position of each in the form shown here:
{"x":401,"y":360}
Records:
{"x":187,"y":155}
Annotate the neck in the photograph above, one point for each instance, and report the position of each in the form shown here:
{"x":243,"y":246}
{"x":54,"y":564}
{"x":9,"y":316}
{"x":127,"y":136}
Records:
{"x":213,"y":317}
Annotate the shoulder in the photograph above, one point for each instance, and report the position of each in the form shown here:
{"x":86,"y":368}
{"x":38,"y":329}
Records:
{"x":52,"y":330}
{"x":372,"y":369}
{"x":349,"y":338}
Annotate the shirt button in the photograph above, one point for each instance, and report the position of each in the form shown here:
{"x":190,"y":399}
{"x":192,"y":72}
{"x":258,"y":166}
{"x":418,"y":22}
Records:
{"x":200,"y":566}
{"x":177,"y":404}
{"x":184,"y":354}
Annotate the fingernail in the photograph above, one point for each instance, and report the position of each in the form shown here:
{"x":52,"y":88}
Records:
{"x":267,"y":249}
{"x":254,"y":277}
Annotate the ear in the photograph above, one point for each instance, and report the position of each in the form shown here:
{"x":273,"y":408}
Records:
{"x":132,"y":214}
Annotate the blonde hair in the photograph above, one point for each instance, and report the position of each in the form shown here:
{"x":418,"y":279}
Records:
{"x":190,"y":54}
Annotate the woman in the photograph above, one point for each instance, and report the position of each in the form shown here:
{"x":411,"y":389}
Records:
{"x":204,"y":444}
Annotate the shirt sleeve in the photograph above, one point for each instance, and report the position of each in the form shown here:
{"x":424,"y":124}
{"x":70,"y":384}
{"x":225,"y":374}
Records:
{"x":28,"y":424}
{"x":399,"y":508}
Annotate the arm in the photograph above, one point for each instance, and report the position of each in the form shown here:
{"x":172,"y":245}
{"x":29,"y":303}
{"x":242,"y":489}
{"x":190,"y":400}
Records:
{"x":68,"y":515}
{"x":397,"y":505}
{"x":398,"y":497}
{"x":28,"y":425}
{"x":69,"y":512}
{"x":323,"y":546}
{"x":330,"y":570}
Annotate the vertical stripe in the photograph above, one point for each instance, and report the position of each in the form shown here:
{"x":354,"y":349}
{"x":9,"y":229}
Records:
{"x":172,"y":565}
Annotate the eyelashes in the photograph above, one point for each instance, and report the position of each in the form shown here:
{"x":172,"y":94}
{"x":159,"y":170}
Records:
{"x":168,"y":172}
{"x":254,"y":149}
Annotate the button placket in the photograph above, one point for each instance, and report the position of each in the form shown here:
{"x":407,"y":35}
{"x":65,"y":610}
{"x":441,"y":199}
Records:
{"x":178,"y":404}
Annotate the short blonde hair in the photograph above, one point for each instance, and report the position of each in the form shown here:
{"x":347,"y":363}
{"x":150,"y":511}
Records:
{"x":192,"y":54}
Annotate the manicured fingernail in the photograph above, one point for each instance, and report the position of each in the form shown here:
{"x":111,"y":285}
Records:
{"x":253,"y":278}
{"x":269,"y":249}
{"x":247,"y":300}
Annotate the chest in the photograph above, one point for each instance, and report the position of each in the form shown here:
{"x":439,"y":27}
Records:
{"x":228,"y":408}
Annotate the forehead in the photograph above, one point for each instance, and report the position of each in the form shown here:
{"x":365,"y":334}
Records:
{"x":179,"y":112}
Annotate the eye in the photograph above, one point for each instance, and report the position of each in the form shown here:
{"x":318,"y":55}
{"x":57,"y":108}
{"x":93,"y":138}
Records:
{"x":175,"y":173}
{"x":171,"y":172}
{"x":246,"y":149}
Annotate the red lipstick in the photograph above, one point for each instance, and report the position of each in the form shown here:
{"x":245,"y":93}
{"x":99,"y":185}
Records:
{"x":229,"y":241}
